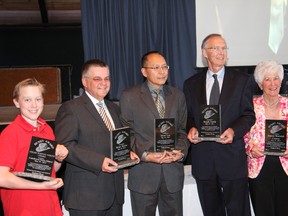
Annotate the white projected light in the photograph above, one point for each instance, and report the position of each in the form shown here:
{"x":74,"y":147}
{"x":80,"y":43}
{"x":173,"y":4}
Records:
{"x":254,"y":30}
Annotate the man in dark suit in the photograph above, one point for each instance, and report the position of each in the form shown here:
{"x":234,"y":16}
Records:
{"x":158,"y":179}
{"x":220,"y":167}
{"x":92,"y":186}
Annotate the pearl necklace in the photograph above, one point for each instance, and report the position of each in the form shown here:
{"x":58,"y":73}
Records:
{"x":272,"y":104}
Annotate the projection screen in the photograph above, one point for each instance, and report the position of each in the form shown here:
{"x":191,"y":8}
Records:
{"x":254,"y":30}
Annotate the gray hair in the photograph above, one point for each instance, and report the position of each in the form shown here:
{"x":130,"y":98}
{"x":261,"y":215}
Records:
{"x":205,"y":40}
{"x":270,"y":67}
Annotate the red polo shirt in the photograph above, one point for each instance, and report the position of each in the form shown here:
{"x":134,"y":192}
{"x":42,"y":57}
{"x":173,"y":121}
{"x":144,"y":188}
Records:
{"x":14,"y":146}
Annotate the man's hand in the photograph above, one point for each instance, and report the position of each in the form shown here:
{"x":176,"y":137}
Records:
{"x":155,"y":157}
{"x":228,"y":136}
{"x":108,"y":165}
{"x":61,"y":153}
{"x":164,"y":157}
{"x":193,"y":133}
{"x":176,"y":155}
{"x":133,"y":155}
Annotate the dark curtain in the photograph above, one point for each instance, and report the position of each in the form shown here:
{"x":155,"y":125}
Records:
{"x":121,"y":31}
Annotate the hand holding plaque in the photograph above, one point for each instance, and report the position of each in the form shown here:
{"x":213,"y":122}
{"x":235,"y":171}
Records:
{"x":120,"y":148}
{"x":275,"y":137}
{"x":210,"y":123}
{"x":39,"y":161}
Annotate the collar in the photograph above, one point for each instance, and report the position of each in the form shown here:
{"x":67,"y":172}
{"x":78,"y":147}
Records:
{"x":27,"y":126}
{"x":220,"y":73}
{"x":94,"y":100}
{"x":152,"y":88}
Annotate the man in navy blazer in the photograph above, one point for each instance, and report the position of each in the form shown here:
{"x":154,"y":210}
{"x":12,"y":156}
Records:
{"x":220,"y":167}
{"x":92,"y":186}
{"x":158,"y":179}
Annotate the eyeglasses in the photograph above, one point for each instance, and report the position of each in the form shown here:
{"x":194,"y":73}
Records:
{"x":158,"y":67}
{"x":217,"y":49}
{"x":99,"y":79}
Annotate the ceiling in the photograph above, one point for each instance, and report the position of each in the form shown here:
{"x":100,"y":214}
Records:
{"x":39,"y":12}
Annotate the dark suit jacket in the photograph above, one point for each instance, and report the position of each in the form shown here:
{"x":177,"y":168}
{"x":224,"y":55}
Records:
{"x":237,"y":112}
{"x":138,"y":110}
{"x":81,"y":129}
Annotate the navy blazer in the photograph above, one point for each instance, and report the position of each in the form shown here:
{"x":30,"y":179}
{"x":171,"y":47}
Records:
{"x":229,"y":161}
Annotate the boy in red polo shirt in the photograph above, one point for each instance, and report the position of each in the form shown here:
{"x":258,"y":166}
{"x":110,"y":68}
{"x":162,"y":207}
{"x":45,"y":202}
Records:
{"x":20,"y":196}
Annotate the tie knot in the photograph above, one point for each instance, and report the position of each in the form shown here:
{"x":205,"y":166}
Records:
{"x":99,"y":104}
{"x":157,"y":91}
{"x":214,"y":76}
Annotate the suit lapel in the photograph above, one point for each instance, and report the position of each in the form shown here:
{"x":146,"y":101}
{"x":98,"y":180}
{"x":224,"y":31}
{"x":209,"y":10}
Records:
{"x":200,"y":87}
{"x":226,"y":86}
{"x":169,"y":100}
{"x":113,"y":113}
{"x":90,"y":107}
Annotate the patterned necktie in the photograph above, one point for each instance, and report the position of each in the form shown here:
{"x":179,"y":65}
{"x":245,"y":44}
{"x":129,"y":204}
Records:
{"x":104,"y":116}
{"x":215,"y":92}
{"x":159,"y":105}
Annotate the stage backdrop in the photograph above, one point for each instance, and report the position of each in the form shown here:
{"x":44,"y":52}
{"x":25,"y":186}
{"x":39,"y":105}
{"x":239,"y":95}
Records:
{"x":120,"y":32}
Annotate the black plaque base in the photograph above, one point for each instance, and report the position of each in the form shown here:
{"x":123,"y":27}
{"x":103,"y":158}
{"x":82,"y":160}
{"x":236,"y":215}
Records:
{"x":212,"y":139}
{"x":127,"y":163}
{"x":169,"y":151}
{"x":33,"y":176}
{"x":274,"y":153}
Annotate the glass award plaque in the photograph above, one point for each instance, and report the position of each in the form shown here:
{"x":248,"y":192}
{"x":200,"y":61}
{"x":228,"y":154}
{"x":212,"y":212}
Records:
{"x":164,"y":133}
{"x":39,"y":161}
{"x":210,"y":123}
{"x":275,"y":137}
{"x":120,"y":147}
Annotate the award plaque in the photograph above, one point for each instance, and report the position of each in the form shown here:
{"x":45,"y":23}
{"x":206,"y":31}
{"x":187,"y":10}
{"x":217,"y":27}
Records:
{"x":164,"y":134}
{"x":39,"y":161}
{"x":210,"y":123}
{"x":275,"y":137}
{"x":120,"y":147}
